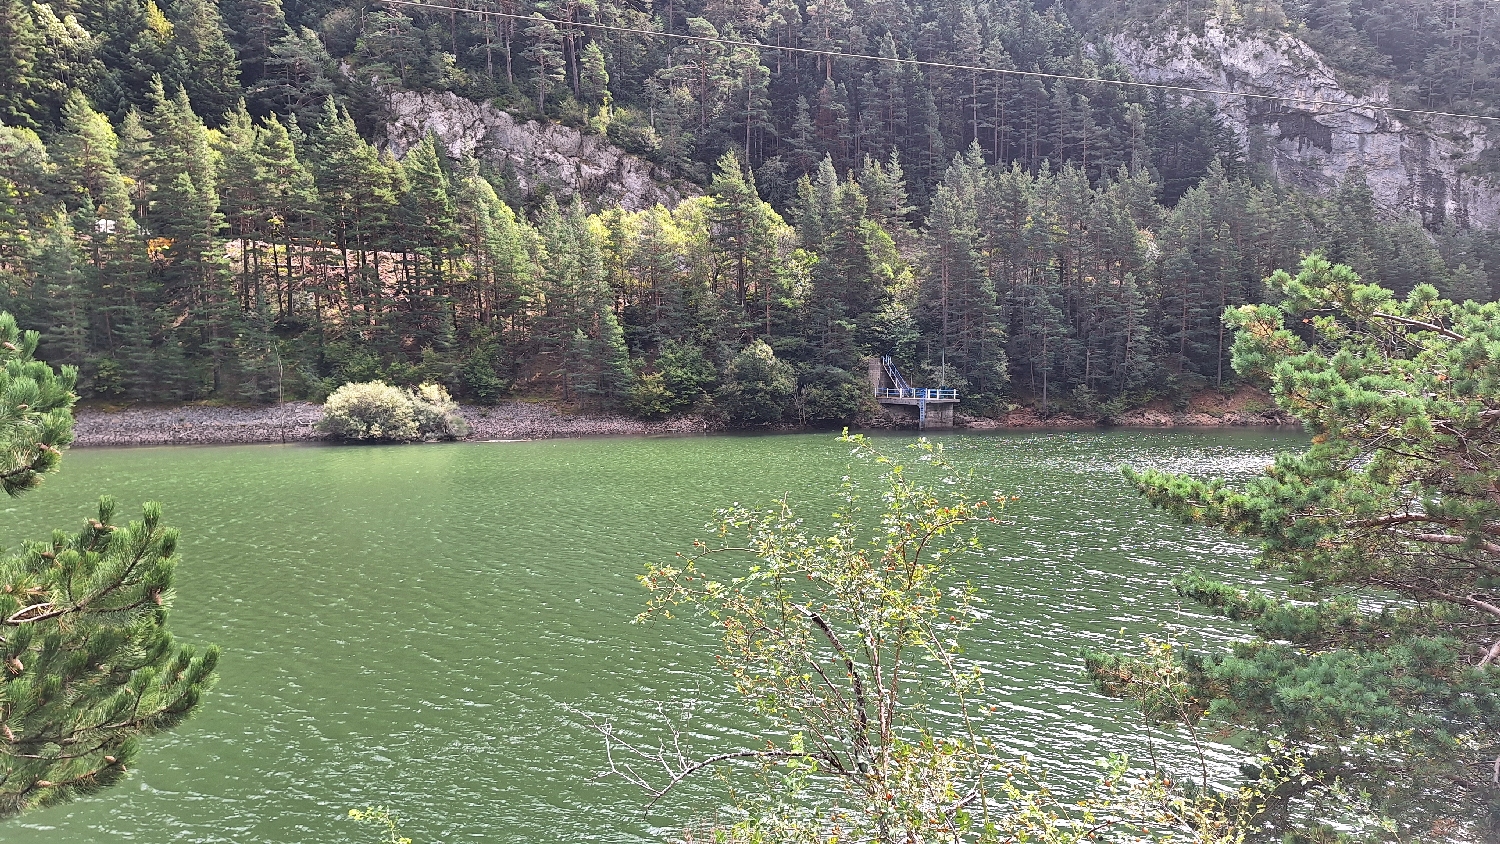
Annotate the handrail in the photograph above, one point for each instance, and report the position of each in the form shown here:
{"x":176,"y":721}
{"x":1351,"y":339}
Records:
{"x":894,"y":373}
{"x":930,"y":393}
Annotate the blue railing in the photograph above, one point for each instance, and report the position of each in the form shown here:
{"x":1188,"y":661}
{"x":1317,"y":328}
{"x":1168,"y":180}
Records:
{"x":894,"y":373}
{"x":917,"y":393}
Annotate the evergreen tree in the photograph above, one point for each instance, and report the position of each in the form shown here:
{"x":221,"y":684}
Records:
{"x":745,"y":234}
{"x":593,"y":82}
{"x":356,"y":196}
{"x":18,"y":71}
{"x":428,"y":224}
{"x":211,"y":72}
{"x":65,"y":60}
{"x":957,"y":304}
{"x":545,"y":53}
{"x":89,"y":667}
{"x":295,"y":78}
{"x":255,"y":27}
{"x":289,"y":209}
{"x":1377,"y":669}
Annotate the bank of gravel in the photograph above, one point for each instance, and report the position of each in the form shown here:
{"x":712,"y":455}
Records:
{"x":294,"y":422}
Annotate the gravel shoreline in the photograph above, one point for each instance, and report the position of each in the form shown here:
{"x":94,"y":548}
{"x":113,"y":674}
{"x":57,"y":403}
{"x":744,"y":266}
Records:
{"x":293,"y":422}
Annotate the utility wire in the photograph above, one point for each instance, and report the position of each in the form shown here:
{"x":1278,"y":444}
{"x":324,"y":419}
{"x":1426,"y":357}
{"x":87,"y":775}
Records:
{"x":946,"y":65}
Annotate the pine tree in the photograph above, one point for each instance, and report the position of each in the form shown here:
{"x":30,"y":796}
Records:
{"x":745,"y":235}
{"x":429,"y":225}
{"x":391,"y":45}
{"x":545,"y":53}
{"x":61,"y":285}
{"x":86,"y":153}
{"x":211,"y":71}
{"x":65,"y":59}
{"x":295,"y":78}
{"x":957,"y":306}
{"x":501,"y":276}
{"x":289,"y":205}
{"x":256,"y":26}
{"x":18,"y":72}
{"x":185,"y":220}
{"x":89,"y":667}
{"x":1372,"y":658}
{"x":593,"y":78}
{"x":356,"y":193}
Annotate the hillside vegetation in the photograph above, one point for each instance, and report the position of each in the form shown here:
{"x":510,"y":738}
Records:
{"x":194,"y":203}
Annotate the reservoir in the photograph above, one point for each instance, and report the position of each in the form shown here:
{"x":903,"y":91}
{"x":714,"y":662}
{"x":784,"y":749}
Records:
{"x":426,"y":628}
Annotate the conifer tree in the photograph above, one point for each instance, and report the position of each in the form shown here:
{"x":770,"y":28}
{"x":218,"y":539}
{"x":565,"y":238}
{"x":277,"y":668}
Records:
{"x":289,"y":203}
{"x":356,"y":194}
{"x":429,"y":225}
{"x":744,"y":233}
{"x":86,"y":153}
{"x":957,"y":306}
{"x":211,"y":74}
{"x":255,"y":25}
{"x":501,"y":276}
{"x":61,"y":284}
{"x":18,"y":72}
{"x":295,"y":79}
{"x":546,"y":54}
{"x":1376,"y":663}
{"x":88,"y":665}
{"x":593,"y":78}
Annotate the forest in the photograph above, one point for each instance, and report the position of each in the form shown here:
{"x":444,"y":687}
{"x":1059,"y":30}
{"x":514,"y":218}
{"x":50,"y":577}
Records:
{"x":196,"y":202}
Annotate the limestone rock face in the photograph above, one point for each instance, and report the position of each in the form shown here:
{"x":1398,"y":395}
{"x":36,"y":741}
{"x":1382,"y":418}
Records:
{"x":564,"y":160}
{"x":1414,"y":163}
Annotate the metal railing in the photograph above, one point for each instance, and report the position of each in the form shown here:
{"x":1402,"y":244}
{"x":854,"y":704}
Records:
{"x":894,"y":374}
{"x":917,"y":393}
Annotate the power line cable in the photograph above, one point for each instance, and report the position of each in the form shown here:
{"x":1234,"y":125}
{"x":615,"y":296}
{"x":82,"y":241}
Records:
{"x":732,"y":42}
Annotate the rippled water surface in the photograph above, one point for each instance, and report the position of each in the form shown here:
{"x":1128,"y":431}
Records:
{"x":416,"y":626}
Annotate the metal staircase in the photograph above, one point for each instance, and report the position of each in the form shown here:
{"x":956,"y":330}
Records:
{"x":895,"y":374}
{"x":903,"y":393}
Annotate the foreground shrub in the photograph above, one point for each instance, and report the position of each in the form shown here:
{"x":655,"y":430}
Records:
{"x":378,"y":412}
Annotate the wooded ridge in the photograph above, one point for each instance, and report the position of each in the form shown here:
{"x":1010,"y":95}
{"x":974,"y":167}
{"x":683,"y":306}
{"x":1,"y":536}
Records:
{"x":195,"y":201}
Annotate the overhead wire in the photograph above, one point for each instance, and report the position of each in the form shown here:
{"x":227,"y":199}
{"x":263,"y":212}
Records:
{"x":756,"y":45}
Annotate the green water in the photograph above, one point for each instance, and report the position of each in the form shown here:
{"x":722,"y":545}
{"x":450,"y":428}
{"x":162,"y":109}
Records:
{"x":418,"y":626}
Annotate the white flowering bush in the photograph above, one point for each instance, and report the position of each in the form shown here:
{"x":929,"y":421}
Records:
{"x":375,"y":411}
{"x":437,"y":413}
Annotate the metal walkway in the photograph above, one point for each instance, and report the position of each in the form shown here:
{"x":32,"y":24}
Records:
{"x":904,"y":393}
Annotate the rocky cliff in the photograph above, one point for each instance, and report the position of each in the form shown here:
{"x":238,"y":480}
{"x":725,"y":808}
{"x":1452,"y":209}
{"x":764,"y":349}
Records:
{"x":564,"y":160}
{"x":1414,"y":163}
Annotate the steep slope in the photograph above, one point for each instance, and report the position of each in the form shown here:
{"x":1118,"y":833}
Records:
{"x":560,"y":158}
{"x":1414,"y":163}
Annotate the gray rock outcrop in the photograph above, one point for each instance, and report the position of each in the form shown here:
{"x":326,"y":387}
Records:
{"x":565,"y":160}
{"x":1414,"y":163}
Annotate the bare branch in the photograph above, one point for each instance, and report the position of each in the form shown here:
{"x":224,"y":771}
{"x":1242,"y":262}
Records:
{"x":1425,"y":326}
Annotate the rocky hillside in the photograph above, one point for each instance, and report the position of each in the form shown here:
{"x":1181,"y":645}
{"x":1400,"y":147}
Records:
{"x":1414,"y":163}
{"x":564,"y":160}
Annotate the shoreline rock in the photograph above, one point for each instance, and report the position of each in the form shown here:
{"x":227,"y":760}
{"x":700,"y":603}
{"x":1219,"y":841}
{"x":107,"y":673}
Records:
{"x":293,"y":422}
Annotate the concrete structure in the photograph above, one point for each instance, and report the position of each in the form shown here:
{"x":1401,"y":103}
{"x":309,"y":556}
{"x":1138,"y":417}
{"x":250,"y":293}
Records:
{"x":926,"y":407}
